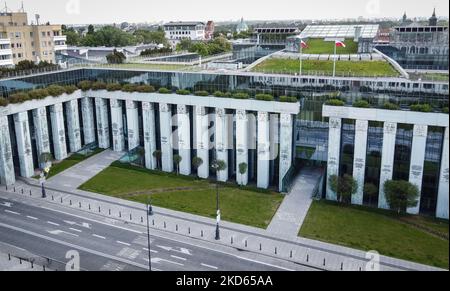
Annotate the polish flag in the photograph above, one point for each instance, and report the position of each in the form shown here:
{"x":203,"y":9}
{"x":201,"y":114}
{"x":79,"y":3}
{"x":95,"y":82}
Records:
{"x":303,"y":44}
{"x":340,"y":43}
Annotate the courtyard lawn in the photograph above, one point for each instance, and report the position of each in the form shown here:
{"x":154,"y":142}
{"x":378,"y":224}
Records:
{"x":70,"y":162}
{"x":410,"y":238}
{"x":240,"y":205}
{"x":352,"y":68}
{"x":319,"y":46}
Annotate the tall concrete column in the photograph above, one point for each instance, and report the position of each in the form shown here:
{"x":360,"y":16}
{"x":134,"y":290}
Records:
{"x":334,"y":153}
{"x":23,"y":139}
{"x":148,"y":116}
{"x":87,"y":112}
{"x":58,"y":131}
{"x":184,"y":139}
{"x":73,"y":125}
{"x":286,"y":140}
{"x":442,"y":200}
{"x":274,"y":143}
{"x":241,"y":145}
{"x":132,"y":124}
{"x":419,"y":144}
{"x":359,"y":159}
{"x":7,"y":175}
{"x":263,"y":150}
{"x":202,"y":139}
{"x":101,"y":110}
{"x":118,"y":136}
{"x":165,"y":123}
{"x":222,"y":141}
{"x":387,"y":160}
{"x":41,"y":132}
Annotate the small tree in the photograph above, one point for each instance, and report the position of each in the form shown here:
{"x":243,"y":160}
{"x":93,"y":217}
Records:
{"x":141,"y":153}
{"x":45,"y":158}
{"x":116,"y":57}
{"x":177,"y":160}
{"x":197,"y":162}
{"x":157,"y":155}
{"x":242,"y":170}
{"x":219,"y":166}
{"x":344,"y":187}
{"x":401,"y":195}
{"x":371,"y":191}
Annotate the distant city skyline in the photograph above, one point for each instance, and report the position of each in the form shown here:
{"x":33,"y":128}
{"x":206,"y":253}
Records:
{"x":108,"y":11}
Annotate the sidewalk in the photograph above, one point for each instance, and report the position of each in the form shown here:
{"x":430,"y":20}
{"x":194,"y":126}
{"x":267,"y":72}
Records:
{"x":299,"y":250}
{"x":290,"y":216}
{"x":14,"y":259}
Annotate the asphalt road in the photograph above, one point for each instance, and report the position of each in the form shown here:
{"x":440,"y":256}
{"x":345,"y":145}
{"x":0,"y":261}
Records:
{"x":47,"y":233}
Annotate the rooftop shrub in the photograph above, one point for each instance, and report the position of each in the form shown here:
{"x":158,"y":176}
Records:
{"x":219,"y":94}
{"x":240,"y":95}
{"x":201,"y":93}
{"x":111,"y":87}
{"x":361,"y":104}
{"x":38,"y":93}
{"x":288,"y":99}
{"x":145,"y":89}
{"x":183,"y":92}
{"x":390,"y":106}
{"x":164,"y":91}
{"x":98,"y":86}
{"x":421,"y":107}
{"x":335,"y":102}
{"x":264,"y":97}
{"x":445,"y":109}
{"x":85,"y":85}
{"x":70,"y":89}
{"x":19,"y":98}
{"x":56,"y":90}
{"x":129,"y":88}
{"x":3,"y":102}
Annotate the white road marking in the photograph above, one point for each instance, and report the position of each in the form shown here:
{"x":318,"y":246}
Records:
{"x":209,"y":266}
{"x":152,"y":251}
{"x":98,"y":236}
{"x":12,"y":212}
{"x":123,"y":243}
{"x":57,"y":232}
{"x":74,"y":229}
{"x":31,"y":217}
{"x":159,"y":260}
{"x":181,"y":250}
{"x":7,"y":204}
{"x":52,"y":223}
{"x":178,"y":258}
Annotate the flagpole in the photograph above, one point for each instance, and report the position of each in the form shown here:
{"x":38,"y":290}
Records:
{"x":301,"y":57}
{"x":334,"y":63}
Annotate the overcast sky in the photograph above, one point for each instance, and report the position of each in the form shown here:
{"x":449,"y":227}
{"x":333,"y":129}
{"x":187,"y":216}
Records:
{"x":114,"y":11}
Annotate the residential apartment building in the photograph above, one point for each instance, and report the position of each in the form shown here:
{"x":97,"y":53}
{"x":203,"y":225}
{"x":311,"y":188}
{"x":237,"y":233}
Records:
{"x":176,"y":31}
{"x":21,"y":41}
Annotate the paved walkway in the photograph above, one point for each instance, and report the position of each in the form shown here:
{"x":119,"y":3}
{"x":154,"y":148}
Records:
{"x":20,"y":261}
{"x":292,"y":212}
{"x":85,"y":170}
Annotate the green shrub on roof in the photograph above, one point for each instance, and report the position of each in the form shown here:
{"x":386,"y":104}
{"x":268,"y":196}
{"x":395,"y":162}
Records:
{"x":56,"y":90}
{"x":201,"y":93}
{"x":19,"y":98}
{"x":145,"y":89}
{"x":335,"y":102}
{"x":240,"y":95}
{"x":70,"y":89}
{"x":421,"y":107}
{"x":98,"y":86}
{"x":264,"y":97}
{"x":288,"y":99}
{"x":111,"y":87}
{"x":3,"y":102}
{"x":361,"y":104}
{"x":164,"y":91}
{"x":183,"y":92}
{"x":390,"y":106}
{"x":85,"y":85}
{"x":38,"y":93}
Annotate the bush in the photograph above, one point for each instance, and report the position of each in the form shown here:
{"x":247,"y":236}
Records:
{"x":361,"y":104}
{"x":164,"y":91}
{"x":56,"y":90}
{"x":38,"y":93}
{"x":183,"y":92}
{"x":288,"y":99}
{"x":390,"y":106}
{"x":445,"y":110}
{"x":335,"y":102}
{"x":85,"y":85}
{"x":201,"y":93}
{"x":264,"y":97}
{"x":19,"y":98}
{"x":145,"y":89}
{"x":70,"y":89}
{"x":3,"y":102}
{"x":219,"y":94}
{"x":98,"y":86}
{"x":129,"y":88}
{"x":421,"y":107}
{"x":113,"y":87}
{"x":240,"y":96}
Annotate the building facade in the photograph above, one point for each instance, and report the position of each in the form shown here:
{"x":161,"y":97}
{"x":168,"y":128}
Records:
{"x":176,"y":31}
{"x":21,"y":41}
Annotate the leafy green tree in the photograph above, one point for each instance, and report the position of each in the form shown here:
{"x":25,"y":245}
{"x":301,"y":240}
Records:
{"x":218,"y":166}
{"x":108,"y":36}
{"x":344,"y":187}
{"x":91,"y":29}
{"x":116,"y":57}
{"x":45,"y":158}
{"x":401,"y":195}
{"x":371,"y":191}
{"x":197,"y":162}
{"x":243,"y":167}
{"x":157,"y":155}
{"x":177,"y":160}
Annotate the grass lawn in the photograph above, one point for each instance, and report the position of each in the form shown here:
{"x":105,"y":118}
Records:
{"x":360,"y":68}
{"x":186,"y":194}
{"x":319,"y":46}
{"x":371,"y":229}
{"x":69,"y":162}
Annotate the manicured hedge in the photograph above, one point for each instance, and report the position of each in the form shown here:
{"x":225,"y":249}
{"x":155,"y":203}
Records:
{"x":390,"y":106}
{"x":288,"y":99}
{"x":183,"y":92}
{"x":240,"y":95}
{"x":113,"y":87}
{"x":201,"y":93}
{"x":421,"y":107}
{"x":85,"y":85}
{"x":164,"y":91}
{"x":98,"y":86}
{"x":335,"y":102}
{"x":361,"y":104}
{"x":264,"y":97}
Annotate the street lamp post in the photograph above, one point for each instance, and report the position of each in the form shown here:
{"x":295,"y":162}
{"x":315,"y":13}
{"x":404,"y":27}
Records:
{"x":149,"y":211}
{"x":42,"y":180}
{"x":217,"y":167}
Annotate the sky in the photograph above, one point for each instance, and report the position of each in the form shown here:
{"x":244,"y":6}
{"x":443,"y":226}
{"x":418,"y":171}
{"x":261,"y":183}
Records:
{"x":117,"y":11}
